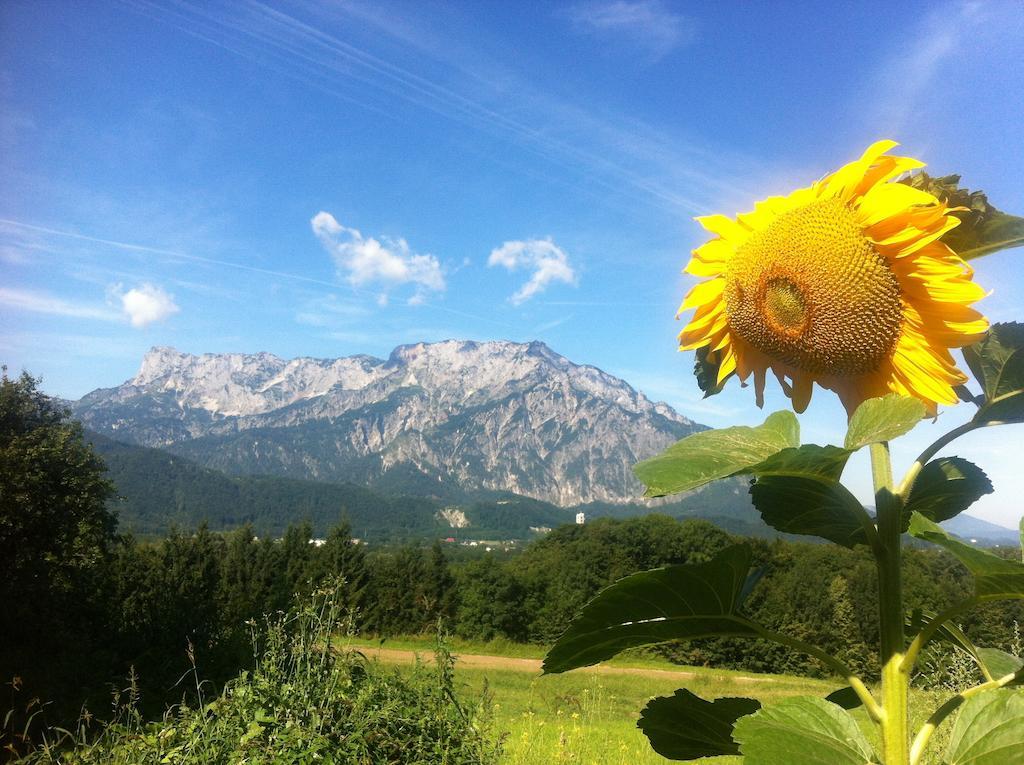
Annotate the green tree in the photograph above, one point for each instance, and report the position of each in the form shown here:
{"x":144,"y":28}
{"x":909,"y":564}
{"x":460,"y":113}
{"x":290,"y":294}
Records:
{"x":341,"y":557}
{"x":491,"y":602}
{"x":396,"y":597}
{"x":55,"y":529}
{"x":439,"y":594}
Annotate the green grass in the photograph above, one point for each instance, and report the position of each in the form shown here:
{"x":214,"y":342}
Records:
{"x":425,"y":644}
{"x":589,"y":718}
{"x":585,"y":717}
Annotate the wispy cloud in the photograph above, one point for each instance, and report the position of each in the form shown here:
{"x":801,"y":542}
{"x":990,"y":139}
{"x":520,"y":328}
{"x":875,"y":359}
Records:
{"x":13,"y":227}
{"x":41,"y":302}
{"x":145,"y":304}
{"x":917,"y":65}
{"x":330,"y":312}
{"x":649,"y":25}
{"x":616,"y":152}
{"x":549,"y":325}
{"x":548,"y":262}
{"x":385,"y":262}
{"x":6,"y":223}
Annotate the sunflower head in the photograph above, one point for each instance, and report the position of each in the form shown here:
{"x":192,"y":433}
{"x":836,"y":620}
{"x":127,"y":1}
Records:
{"x":844,"y":283}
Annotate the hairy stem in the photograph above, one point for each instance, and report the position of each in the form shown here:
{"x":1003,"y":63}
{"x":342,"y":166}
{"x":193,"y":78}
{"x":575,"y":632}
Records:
{"x":895,"y":681}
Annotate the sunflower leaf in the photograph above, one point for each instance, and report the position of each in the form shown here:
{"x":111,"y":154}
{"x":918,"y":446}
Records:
{"x":965,"y":395}
{"x":798,"y":492}
{"x":1000,"y":664}
{"x":804,"y":730}
{"x":712,"y":454}
{"x":946,"y":487}
{"x":705,"y":369}
{"x":795,"y":505}
{"x":991,"y":663}
{"x":672,"y":603}
{"x":686,"y":727}
{"x":989,"y":729}
{"x":845,"y":697}
{"x":983,"y":229}
{"x":994,"y":577}
{"x":883,"y":419}
{"x":997,"y":362}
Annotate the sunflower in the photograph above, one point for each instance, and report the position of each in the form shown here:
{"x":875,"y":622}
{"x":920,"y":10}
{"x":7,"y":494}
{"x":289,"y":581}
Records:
{"x":845,"y":283}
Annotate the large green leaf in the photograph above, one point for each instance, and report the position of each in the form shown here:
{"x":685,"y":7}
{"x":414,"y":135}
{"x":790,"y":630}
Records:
{"x":1000,"y":232}
{"x":713,"y":454}
{"x":673,"y":603}
{"x":983,"y":229}
{"x":989,"y":730}
{"x":1000,"y":663}
{"x":845,"y":697}
{"x":818,"y":463}
{"x":946,"y":487}
{"x":803,"y":730}
{"x":883,"y":419}
{"x":994,"y":577}
{"x":997,"y":362}
{"x":948,"y":631}
{"x":685,"y":727}
{"x":798,"y":492}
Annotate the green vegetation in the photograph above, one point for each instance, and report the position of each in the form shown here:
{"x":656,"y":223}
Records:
{"x":300,"y":703}
{"x":158,"y":490}
{"x":85,"y":608}
{"x":589,"y":717}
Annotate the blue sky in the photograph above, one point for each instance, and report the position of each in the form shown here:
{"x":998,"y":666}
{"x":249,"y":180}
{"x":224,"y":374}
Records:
{"x":323,"y":179}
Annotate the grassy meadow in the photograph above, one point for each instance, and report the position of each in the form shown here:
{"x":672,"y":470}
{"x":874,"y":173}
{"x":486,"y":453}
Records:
{"x":588,"y":717}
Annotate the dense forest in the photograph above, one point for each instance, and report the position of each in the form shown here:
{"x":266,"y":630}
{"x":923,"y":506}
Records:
{"x":158,"y":491}
{"x":85,"y":606}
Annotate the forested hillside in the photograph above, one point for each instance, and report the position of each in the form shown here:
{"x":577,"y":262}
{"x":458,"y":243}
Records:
{"x":157,"y":491}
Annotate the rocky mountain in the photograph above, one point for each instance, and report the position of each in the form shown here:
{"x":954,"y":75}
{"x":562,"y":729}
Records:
{"x":496,"y":416}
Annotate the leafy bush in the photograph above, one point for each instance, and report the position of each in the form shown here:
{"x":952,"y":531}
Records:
{"x":304,"y":702}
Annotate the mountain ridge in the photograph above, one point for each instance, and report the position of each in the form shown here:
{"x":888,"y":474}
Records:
{"x":495,"y":415}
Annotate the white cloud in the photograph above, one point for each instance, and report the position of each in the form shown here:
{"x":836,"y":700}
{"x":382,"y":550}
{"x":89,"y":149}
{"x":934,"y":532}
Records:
{"x":145,"y":304}
{"x":386,"y":262}
{"x":649,"y":24}
{"x":40,"y":302}
{"x":548,"y":261}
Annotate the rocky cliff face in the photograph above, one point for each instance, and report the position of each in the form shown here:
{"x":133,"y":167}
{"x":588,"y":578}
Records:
{"x":497,"y":415}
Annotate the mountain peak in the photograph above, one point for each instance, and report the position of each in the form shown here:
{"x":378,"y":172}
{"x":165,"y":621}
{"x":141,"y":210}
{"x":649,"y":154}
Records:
{"x":498,"y":414}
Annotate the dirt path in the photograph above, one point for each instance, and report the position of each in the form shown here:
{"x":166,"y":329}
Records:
{"x":396,"y":656}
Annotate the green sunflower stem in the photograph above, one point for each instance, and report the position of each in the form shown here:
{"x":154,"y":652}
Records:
{"x":895,"y":678}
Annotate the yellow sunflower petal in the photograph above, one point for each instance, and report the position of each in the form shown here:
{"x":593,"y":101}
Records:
{"x":889,"y":199}
{"x":703,"y":293}
{"x":802,"y":387}
{"x":725,"y":227}
{"x":728,"y":365}
{"x":710,"y":259}
{"x":844,"y":182}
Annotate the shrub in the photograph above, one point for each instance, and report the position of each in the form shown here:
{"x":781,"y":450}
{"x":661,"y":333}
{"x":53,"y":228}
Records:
{"x":304,"y":702}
